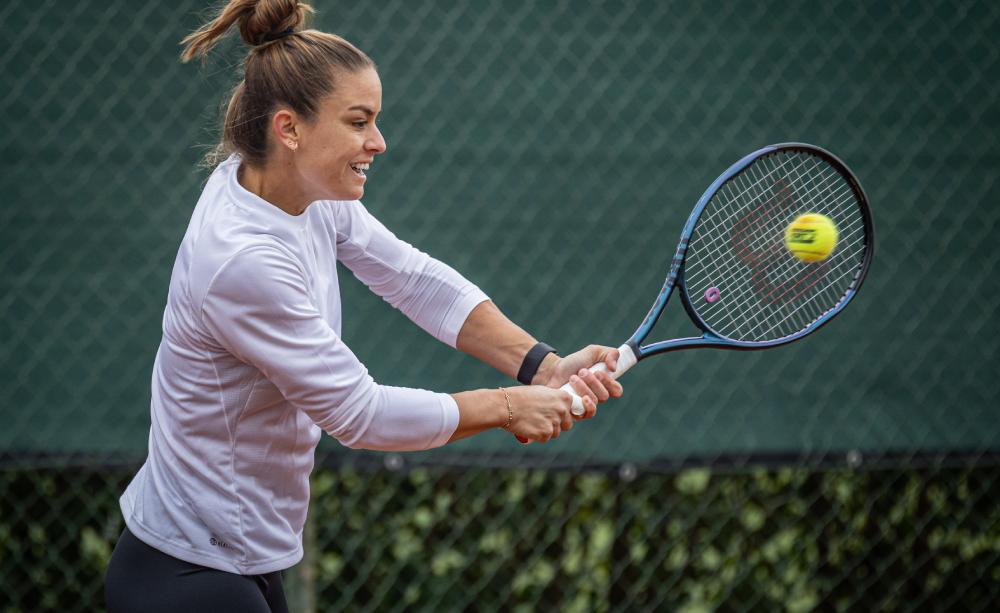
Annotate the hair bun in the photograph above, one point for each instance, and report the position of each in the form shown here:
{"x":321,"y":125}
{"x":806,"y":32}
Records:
{"x":268,"y":20}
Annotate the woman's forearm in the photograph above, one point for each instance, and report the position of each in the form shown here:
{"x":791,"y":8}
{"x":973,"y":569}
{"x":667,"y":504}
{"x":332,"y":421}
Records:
{"x":488,"y":335}
{"x":478,"y":411}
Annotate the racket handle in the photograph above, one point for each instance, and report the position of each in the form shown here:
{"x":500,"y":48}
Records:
{"x":626,"y":360}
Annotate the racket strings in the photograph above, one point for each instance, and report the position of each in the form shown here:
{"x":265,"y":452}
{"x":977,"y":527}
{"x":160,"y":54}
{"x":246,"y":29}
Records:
{"x":793,"y":287}
{"x":775,"y":265}
{"x":748,"y":324}
{"x":805,"y":321}
{"x":772,"y":284}
{"x":738,"y":248}
{"x":751,"y":242}
{"x":716,"y":215}
{"x":824,"y":300}
{"x":760,"y":232}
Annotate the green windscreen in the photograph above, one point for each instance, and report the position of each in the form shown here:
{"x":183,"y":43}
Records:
{"x":550,"y":152}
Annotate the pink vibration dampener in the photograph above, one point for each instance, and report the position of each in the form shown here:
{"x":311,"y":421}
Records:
{"x":712,"y":294}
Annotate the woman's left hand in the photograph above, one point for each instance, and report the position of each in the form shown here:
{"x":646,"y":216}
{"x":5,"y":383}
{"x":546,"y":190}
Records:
{"x":575,"y":369}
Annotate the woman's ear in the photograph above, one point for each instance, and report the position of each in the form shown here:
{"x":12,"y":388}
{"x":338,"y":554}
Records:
{"x":285,"y":128}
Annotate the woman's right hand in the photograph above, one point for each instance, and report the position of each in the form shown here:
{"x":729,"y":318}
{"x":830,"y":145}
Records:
{"x":541,"y":413}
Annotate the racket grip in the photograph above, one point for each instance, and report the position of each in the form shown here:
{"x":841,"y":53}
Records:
{"x":626,"y":360}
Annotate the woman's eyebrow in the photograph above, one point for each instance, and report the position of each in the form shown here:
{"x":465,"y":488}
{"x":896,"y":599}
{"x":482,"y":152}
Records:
{"x":361,"y":107}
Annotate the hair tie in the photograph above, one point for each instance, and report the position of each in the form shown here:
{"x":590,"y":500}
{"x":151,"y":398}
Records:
{"x":270,"y":38}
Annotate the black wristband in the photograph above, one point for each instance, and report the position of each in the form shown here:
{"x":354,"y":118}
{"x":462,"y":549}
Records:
{"x":532,"y":361}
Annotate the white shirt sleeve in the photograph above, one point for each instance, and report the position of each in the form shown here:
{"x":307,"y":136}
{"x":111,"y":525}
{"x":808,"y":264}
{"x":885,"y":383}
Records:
{"x":432,"y":294}
{"x":258,"y":307}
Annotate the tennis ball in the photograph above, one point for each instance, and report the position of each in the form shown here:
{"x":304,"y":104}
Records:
{"x":811,"y":237}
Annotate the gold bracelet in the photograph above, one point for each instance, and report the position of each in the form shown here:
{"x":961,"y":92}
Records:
{"x":510,"y":412}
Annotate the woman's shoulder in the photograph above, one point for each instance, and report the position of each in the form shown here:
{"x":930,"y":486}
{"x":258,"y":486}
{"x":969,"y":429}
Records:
{"x":231,"y":247}
{"x":349,"y":220}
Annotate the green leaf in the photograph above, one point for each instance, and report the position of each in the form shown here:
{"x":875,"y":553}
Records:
{"x":752,"y":517}
{"x":693,"y":481}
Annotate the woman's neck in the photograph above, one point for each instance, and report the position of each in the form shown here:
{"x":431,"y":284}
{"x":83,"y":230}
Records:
{"x":275,"y":183}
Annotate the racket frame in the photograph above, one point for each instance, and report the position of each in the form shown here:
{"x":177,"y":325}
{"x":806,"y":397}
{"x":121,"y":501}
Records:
{"x":675,"y":278}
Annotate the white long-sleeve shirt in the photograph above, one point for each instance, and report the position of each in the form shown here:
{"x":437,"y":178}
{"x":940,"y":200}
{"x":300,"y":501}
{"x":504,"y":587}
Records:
{"x":251,"y":369}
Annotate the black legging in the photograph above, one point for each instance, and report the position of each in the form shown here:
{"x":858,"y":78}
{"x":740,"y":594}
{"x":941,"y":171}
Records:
{"x":141,"y":578}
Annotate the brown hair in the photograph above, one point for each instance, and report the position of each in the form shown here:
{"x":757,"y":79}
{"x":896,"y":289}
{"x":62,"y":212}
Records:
{"x":285,"y":67}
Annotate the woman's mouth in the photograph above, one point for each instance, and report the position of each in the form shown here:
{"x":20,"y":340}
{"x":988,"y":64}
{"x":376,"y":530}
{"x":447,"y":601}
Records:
{"x":360,"y":168}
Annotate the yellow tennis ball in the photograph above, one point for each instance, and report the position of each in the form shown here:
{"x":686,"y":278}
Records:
{"x":811,"y":237}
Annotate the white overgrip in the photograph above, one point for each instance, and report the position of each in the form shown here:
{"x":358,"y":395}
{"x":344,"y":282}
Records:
{"x":626,"y":360}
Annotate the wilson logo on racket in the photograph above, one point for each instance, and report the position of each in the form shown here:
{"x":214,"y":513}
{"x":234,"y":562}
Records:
{"x":757,"y":239}
{"x":755,"y":223}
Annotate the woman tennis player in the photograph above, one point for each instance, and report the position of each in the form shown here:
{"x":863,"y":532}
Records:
{"x":251,"y":368}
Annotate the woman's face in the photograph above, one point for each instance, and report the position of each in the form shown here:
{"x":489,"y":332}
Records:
{"x":335,"y":149}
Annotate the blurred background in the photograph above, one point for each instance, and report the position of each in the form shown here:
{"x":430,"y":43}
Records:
{"x":551,"y":152}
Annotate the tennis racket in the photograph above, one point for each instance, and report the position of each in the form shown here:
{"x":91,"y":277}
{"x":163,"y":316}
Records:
{"x":738,"y":282}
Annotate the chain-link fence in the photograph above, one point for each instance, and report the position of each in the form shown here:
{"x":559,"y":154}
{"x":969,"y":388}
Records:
{"x":551,"y":152}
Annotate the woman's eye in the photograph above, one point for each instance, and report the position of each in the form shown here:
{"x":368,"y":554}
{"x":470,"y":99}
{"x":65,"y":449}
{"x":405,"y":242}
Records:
{"x":360,"y":124}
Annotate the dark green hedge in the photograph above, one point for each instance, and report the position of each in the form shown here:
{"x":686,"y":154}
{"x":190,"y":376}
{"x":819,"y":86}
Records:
{"x":759,"y":539}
